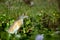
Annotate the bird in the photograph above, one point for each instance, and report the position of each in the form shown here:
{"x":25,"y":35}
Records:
{"x":16,"y":25}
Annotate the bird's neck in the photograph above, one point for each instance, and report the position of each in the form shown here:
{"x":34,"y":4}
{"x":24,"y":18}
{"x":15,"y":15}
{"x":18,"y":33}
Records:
{"x":21,"y":20}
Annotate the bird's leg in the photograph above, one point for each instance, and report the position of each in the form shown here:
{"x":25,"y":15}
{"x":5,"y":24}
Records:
{"x":17,"y":35}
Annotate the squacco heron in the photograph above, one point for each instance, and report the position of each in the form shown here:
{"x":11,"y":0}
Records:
{"x":16,"y":25}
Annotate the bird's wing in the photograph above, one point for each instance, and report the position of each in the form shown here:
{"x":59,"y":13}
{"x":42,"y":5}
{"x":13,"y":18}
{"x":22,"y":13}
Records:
{"x":16,"y":25}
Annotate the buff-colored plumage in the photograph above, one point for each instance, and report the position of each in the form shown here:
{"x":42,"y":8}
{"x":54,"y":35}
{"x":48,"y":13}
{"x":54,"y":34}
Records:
{"x":16,"y":25}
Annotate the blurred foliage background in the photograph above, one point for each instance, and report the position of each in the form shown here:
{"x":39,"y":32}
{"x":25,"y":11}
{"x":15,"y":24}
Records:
{"x":44,"y":18}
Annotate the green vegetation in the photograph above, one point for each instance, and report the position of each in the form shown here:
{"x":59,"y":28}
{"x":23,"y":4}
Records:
{"x":43,"y":19}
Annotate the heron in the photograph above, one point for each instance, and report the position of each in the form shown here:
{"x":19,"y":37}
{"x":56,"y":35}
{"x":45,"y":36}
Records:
{"x":16,"y":25}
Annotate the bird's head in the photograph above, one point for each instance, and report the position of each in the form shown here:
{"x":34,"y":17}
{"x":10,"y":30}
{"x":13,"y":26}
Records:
{"x":22,"y":17}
